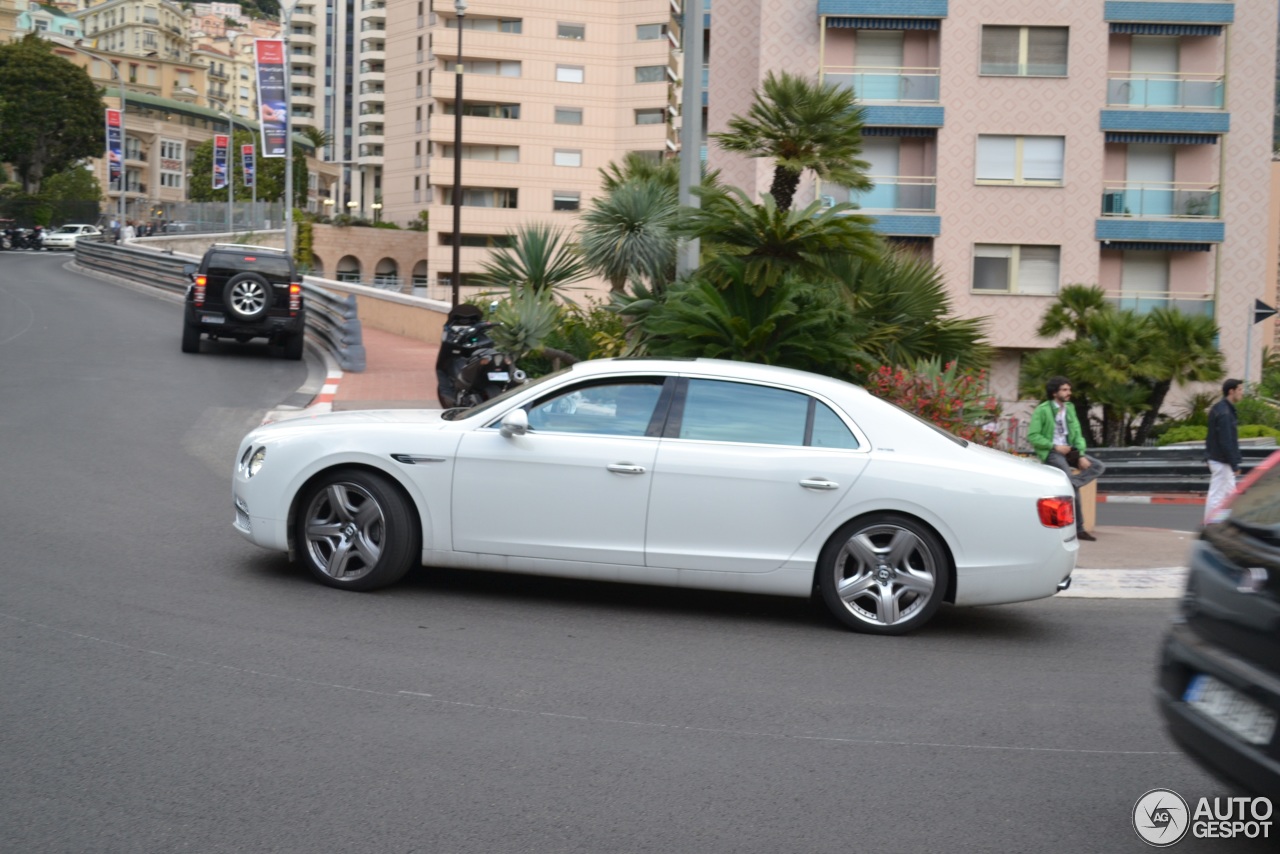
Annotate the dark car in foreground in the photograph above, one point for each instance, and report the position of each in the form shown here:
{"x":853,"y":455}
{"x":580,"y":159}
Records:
{"x":244,"y":292}
{"x":1219,"y":672}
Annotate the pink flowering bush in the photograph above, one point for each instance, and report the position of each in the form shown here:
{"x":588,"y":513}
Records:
{"x":957,"y":401}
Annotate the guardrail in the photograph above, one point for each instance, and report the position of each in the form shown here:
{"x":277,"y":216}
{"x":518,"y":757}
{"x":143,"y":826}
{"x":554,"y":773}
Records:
{"x":332,"y":318}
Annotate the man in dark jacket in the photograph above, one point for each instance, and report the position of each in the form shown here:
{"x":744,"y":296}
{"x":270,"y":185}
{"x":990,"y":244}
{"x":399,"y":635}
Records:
{"x":1222,"y":447}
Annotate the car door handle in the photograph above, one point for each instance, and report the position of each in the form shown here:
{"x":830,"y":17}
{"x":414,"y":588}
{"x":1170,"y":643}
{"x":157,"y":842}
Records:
{"x":626,"y":468}
{"x":819,"y":483}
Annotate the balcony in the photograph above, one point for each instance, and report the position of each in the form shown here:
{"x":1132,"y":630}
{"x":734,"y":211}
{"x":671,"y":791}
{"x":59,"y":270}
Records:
{"x":900,"y":205}
{"x":1165,"y":91}
{"x":886,"y":85}
{"x":1143,"y":302}
{"x":1161,"y":200}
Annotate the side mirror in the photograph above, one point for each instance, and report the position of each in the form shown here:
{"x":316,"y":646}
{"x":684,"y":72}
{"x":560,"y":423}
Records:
{"x":189,"y":270}
{"x":515,"y":423}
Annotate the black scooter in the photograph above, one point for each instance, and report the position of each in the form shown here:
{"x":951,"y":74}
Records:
{"x":469,"y":368}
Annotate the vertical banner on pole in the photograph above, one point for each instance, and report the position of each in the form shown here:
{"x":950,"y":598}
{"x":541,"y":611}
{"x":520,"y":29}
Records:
{"x":246,"y":160}
{"x":221,"y":142}
{"x":272,"y":98}
{"x":115,"y":147}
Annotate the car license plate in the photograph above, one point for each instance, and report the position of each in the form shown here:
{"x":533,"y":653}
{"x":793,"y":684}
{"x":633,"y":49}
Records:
{"x":499,"y":376}
{"x":1245,"y":717}
{"x":212,"y":318}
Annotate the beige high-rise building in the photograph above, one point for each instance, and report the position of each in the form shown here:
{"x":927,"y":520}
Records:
{"x":553,"y":91}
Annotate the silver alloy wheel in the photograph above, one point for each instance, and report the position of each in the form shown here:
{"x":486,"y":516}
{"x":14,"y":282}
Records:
{"x":345,"y":531}
{"x":885,"y":574}
{"x":247,"y":297}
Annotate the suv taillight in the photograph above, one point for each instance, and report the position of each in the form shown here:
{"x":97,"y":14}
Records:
{"x":198,"y":295}
{"x":295,"y":298}
{"x":1057,"y":512}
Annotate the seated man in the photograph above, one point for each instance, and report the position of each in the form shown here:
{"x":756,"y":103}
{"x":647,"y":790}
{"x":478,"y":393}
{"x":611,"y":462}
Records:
{"x":1059,"y":442}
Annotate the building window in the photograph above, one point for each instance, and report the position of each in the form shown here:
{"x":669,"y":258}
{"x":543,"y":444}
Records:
{"x":576,"y":32}
{"x":488,"y":25}
{"x":651,"y":117}
{"x":484,"y":197}
{"x":567,"y":157}
{"x":487,"y":67}
{"x":1005,"y":269}
{"x":479,"y":241}
{"x":570,"y":73}
{"x":568,"y":115}
{"x":500,"y":153}
{"x":1025,"y":160}
{"x":650,"y":32}
{"x":565,"y":200}
{"x":483,"y":110}
{"x":1024,"y":51}
{"x":651,"y":73}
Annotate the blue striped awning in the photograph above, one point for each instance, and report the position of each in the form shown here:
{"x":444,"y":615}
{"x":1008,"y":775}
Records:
{"x":1164,"y":138}
{"x":916,"y":133}
{"x":883,"y":23}
{"x":1142,"y":29}
{"x":1145,"y":246}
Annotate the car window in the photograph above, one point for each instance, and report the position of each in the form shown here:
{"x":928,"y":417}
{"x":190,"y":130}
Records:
{"x":606,"y":409}
{"x":1259,"y":505}
{"x":722,"y":411}
{"x":276,"y":266}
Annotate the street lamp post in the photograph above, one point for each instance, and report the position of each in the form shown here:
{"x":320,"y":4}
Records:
{"x":288,"y":129}
{"x":124,"y":137}
{"x":459,"y":6}
{"x":231,"y":174}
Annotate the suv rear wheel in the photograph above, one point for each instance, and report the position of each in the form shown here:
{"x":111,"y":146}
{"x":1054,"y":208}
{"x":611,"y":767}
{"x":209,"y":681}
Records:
{"x":190,"y":338}
{"x":247,"y":296}
{"x":293,"y":346}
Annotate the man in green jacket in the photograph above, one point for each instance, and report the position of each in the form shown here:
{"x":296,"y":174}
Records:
{"x":1059,"y":442}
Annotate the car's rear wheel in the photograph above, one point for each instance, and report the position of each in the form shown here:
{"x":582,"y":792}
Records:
{"x":247,"y":296}
{"x":293,"y":346}
{"x":883,"y":574}
{"x":355,"y":531}
{"x":190,"y":338}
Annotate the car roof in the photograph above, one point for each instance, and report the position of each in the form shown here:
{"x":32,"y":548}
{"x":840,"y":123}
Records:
{"x":721,"y":369}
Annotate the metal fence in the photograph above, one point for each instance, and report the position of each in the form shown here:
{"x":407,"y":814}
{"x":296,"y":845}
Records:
{"x":331,"y":318}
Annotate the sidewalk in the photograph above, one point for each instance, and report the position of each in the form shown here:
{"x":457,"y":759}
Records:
{"x":400,"y":374}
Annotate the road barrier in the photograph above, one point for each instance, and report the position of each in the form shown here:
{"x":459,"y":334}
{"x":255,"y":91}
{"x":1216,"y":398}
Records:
{"x":332,"y":319}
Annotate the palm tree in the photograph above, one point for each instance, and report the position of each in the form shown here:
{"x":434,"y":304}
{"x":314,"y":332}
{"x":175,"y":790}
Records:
{"x":638,"y":168}
{"x":628,"y":233}
{"x":801,"y":124}
{"x":1073,"y":311}
{"x":1184,"y":353}
{"x":540,"y":258}
{"x":760,"y":244}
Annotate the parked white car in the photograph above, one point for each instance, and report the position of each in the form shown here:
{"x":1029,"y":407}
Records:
{"x":700,"y":473}
{"x":66,"y":237}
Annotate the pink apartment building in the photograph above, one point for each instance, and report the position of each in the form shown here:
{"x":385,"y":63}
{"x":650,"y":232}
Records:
{"x":1026,"y":146}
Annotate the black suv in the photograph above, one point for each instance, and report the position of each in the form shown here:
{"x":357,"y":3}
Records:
{"x":1219,"y":672}
{"x":244,"y":292}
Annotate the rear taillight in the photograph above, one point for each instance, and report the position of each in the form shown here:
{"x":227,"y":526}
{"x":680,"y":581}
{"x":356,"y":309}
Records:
{"x":198,"y":295}
{"x":1057,"y":512}
{"x":295,"y":298}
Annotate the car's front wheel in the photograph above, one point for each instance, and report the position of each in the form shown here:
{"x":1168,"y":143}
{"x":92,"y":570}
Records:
{"x":883,"y":574}
{"x":356,"y":531}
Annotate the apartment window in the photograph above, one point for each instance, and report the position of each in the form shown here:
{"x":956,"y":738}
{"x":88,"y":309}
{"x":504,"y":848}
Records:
{"x":651,"y":117}
{"x":484,"y":110}
{"x":1024,"y":51}
{"x":1005,"y":269}
{"x":488,"y":25}
{"x":577,"y":32}
{"x":650,"y":32}
{"x":568,"y":115}
{"x":565,"y":200}
{"x":487,"y":67}
{"x":484,"y":197}
{"x":481,"y":241}
{"x":500,"y":153}
{"x":570,"y":73}
{"x":567,"y":157}
{"x":1023,"y":160}
{"x":651,"y":73}
{"x":170,"y":149}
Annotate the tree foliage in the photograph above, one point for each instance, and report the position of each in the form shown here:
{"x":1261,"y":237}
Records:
{"x":801,"y":124}
{"x":957,"y":401}
{"x":269,"y":178}
{"x":51,"y":114}
{"x":540,"y":258}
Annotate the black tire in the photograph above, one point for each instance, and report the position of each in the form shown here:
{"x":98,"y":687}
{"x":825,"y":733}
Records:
{"x":293,"y":346}
{"x":190,"y":338}
{"x":247,"y":297}
{"x":883,"y":574}
{"x":355,"y":530}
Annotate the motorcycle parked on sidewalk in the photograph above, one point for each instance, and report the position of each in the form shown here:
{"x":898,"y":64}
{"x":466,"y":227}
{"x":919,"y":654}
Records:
{"x":470,"y":369}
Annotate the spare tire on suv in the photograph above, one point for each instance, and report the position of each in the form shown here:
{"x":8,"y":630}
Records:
{"x":244,"y":292}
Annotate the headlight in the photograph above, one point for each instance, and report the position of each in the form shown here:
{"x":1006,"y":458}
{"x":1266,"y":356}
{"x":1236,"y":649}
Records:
{"x":255,"y":462}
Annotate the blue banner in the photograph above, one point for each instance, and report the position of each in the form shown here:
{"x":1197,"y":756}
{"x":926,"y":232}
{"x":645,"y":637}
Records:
{"x":220,"y":143}
{"x":273,"y":101}
{"x":246,"y":160}
{"x":115,"y":146}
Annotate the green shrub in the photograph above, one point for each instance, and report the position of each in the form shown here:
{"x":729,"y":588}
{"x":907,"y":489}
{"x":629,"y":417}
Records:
{"x":1258,"y":431}
{"x":1183,"y":433}
{"x":1253,"y":410}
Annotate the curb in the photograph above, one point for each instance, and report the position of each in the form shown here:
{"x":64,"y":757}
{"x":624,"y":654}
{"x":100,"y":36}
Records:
{"x":1121,"y":498}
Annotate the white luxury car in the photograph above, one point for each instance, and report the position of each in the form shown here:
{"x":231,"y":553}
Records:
{"x":698,"y":473}
{"x":66,"y":237}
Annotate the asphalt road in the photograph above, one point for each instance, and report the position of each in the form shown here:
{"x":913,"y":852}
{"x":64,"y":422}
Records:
{"x":167,"y":686}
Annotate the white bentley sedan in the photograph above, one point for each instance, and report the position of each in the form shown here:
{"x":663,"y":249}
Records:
{"x":699,"y":473}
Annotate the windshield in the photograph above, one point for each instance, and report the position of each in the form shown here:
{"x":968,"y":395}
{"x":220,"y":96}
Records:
{"x":68,"y":229}
{"x":460,"y":413}
{"x":1258,"y":507}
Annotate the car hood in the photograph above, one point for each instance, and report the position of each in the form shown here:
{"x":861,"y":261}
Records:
{"x":425,"y":418}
